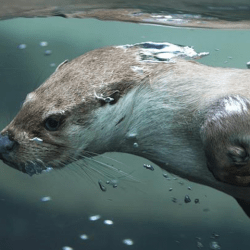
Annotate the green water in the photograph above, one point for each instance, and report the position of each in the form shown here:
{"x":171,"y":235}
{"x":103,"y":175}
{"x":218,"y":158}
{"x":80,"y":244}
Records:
{"x":143,"y":210}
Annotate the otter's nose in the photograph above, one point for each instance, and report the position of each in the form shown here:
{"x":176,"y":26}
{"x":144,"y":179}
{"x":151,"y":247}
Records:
{"x":6,"y":145}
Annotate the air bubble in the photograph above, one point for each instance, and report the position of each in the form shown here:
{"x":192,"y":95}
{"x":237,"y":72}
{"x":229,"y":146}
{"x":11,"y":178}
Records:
{"x":174,"y":200}
{"x":196,"y":201}
{"x":108,"y":222}
{"x":37,"y":140}
{"x":22,"y":46}
{"x":215,"y":235}
{"x":47,"y":170}
{"x":248,"y":65}
{"x":132,"y":136}
{"x":46,"y":198}
{"x":214,"y":245}
{"x":114,"y":182}
{"x":84,"y":236}
{"x":67,"y":248}
{"x":187,"y":199}
{"x":102,"y":187}
{"x":128,"y":242}
{"x":47,"y":52}
{"x":95,"y":217}
{"x":43,"y":44}
{"x":148,"y":166}
{"x":135,"y":145}
{"x":137,"y":69}
{"x":199,"y":245}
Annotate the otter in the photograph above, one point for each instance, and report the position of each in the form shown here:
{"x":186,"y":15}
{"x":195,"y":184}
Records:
{"x":190,"y":119}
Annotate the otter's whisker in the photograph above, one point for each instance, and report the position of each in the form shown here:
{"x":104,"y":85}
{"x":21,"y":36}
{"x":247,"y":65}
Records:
{"x":106,"y":157}
{"x":85,"y":168}
{"x":115,"y":170}
{"x":40,"y":161}
{"x":109,"y":166}
{"x":94,"y":170}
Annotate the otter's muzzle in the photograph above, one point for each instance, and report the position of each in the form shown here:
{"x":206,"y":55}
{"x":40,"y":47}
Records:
{"x":6,"y":145}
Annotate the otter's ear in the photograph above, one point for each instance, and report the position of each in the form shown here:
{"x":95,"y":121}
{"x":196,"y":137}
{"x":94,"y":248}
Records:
{"x":61,"y":64}
{"x":111,"y":99}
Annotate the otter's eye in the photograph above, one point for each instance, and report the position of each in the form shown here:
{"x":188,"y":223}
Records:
{"x":52,"y":124}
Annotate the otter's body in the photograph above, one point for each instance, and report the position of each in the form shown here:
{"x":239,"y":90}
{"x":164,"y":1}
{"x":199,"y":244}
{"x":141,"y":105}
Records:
{"x":190,"y":119}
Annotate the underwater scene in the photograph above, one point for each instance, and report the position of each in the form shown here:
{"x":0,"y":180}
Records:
{"x":113,"y":200}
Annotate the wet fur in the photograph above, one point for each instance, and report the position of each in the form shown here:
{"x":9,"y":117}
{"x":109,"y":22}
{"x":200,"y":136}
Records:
{"x":163,"y":104}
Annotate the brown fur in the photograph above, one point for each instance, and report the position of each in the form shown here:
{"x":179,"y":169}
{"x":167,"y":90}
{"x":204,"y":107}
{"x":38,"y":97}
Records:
{"x":169,"y":104}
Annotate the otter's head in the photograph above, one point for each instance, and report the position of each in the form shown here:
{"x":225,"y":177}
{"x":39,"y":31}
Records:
{"x":55,"y":123}
{"x":47,"y":132}
{"x":226,"y":138}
